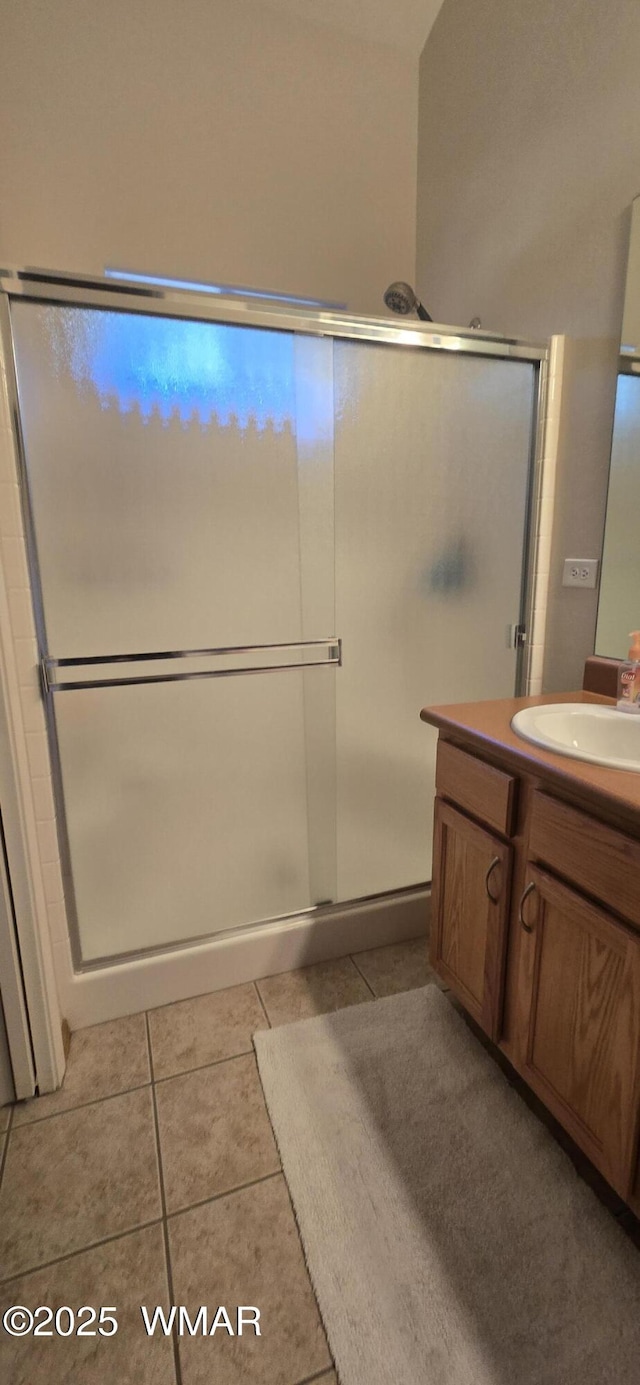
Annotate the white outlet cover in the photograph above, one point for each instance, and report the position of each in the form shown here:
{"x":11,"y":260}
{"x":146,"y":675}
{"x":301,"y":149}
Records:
{"x":580,"y":572}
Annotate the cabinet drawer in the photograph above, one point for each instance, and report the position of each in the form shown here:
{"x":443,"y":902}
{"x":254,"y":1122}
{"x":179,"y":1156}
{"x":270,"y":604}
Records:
{"x":601,"y":861}
{"x":487,"y":793}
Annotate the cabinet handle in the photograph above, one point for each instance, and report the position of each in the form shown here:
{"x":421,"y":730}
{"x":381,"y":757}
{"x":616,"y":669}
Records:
{"x":527,"y":926}
{"x":495,"y":898}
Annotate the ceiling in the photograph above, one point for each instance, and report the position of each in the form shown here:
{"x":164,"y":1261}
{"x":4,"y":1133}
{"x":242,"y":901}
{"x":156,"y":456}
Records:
{"x":402,"y":24}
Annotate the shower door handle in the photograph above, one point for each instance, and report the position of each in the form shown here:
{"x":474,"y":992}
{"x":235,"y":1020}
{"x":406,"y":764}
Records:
{"x":306,"y":650}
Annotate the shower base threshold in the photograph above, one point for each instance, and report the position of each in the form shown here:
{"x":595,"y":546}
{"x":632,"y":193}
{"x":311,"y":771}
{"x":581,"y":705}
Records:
{"x":127,"y":985}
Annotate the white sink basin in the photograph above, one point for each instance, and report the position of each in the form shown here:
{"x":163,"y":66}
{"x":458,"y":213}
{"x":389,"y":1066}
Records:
{"x":599,"y":734}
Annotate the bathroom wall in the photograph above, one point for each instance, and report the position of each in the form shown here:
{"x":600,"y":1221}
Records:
{"x":217,"y":141}
{"x":528,"y":160}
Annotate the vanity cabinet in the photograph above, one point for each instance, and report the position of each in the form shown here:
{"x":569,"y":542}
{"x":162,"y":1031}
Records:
{"x":536,"y":929}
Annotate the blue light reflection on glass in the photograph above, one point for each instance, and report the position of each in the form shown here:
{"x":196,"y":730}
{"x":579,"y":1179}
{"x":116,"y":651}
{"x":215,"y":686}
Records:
{"x":195,"y":371}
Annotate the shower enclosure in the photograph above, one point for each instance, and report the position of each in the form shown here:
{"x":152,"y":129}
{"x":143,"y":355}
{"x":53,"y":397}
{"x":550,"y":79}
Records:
{"x":261,"y":540}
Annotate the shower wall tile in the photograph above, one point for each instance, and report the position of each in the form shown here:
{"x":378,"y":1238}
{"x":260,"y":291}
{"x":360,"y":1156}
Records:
{"x":33,"y":710}
{"x":546,"y":515}
{"x":26,"y":657}
{"x":38,"y":754}
{"x":21,"y":612}
{"x":52,"y":880}
{"x":544,"y":551}
{"x":49,"y":847}
{"x":58,"y":925}
{"x":42,"y":788}
{"x":537,"y":657}
{"x":7,"y":469}
{"x":10,"y":511}
{"x":63,"y":963}
{"x":15,"y":563}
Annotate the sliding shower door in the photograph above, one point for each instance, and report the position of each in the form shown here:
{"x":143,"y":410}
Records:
{"x":433,"y":460}
{"x":222,"y":514}
{"x":181,"y":487}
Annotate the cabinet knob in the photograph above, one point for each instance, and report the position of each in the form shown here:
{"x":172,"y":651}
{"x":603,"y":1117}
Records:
{"x":527,"y":926}
{"x":493,"y":897}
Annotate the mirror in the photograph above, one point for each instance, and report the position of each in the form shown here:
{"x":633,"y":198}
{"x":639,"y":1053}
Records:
{"x":619,"y":600}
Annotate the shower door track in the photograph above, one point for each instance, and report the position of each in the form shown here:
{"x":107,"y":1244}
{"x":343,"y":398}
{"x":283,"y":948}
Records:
{"x":113,"y":295}
{"x":313,"y":911}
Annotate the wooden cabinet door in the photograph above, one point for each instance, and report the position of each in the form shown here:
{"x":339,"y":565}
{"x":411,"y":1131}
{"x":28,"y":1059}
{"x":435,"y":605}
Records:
{"x":470,"y":909}
{"x":580,"y":1008}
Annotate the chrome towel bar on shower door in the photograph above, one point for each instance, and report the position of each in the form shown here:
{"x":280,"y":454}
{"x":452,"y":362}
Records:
{"x":49,"y":666}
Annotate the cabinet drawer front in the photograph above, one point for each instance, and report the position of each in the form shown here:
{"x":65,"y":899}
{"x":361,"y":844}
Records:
{"x":598,"y":859}
{"x":485,"y":792}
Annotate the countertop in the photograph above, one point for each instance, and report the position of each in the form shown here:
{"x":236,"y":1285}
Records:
{"x":488,"y":726}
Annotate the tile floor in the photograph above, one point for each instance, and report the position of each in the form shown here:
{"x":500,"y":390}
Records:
{"x":153,"y":1178}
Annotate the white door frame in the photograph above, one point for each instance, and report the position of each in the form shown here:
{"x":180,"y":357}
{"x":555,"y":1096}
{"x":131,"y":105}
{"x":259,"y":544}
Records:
{"x":14,"y":1020}
{"x":27,"y":980}
{"x":27,"y":986}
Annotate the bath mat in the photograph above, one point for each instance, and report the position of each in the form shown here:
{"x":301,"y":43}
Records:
{"x":449,"y":1240}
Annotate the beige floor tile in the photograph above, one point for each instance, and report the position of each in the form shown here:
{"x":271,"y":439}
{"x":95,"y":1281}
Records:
{"x":5,"y":1112}
{"x":123,"y":1274}
{"x":215,"y":1133}
{"x":398,"y":967}
{"x":103,"y":1060}
{"x":77,"y":1178}
{"x":194,"y":1032}
{"x":244,"y":1249}
{"x":315,"y":990}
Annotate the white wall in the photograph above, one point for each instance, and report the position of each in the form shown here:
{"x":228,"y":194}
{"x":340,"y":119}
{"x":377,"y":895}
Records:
{"x":209,"y":139}
{"x":529,"y":158}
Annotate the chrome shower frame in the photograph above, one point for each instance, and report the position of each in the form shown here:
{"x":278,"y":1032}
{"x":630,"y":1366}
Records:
{"x":120,"y":295}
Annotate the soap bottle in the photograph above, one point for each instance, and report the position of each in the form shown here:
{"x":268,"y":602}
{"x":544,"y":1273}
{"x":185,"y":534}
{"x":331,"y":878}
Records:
{"x":629,"y":678}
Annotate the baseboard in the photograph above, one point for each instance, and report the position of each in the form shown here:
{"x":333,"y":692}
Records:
{"x":142,"y":983}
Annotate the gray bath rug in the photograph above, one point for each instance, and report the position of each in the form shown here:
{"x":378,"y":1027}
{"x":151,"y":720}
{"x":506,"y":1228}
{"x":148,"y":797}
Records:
{"x":448,"y":1238}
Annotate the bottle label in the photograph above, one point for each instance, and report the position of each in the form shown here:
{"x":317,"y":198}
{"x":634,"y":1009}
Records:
{"x":629,"y":688}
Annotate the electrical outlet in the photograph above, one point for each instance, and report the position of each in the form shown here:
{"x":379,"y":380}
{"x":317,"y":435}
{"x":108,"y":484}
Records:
{"x":580,"y":572}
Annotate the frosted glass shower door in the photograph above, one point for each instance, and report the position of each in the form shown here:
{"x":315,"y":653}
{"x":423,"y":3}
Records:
{"x":432,"y":456}
{"x":180,"y":479}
